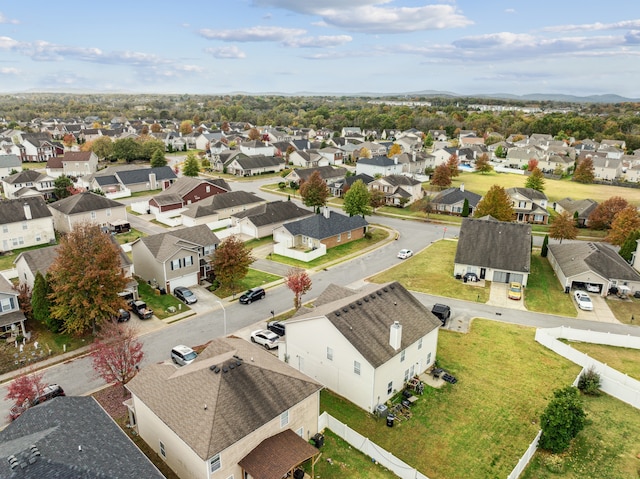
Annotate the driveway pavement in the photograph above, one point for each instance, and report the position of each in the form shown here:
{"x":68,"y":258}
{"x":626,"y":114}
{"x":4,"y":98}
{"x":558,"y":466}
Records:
{"x":601,"y":311}
{"x":498,"y":296}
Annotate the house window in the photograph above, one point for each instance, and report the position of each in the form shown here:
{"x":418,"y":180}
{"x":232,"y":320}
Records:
{"x":406,"y":375}
{"x":188,"y":261}
{"x":208,"y":189}
{"x":38,"y":238}
{"x":522,"y":204}
{"x":339,"y":238}
{"x":429,"y":358}
{"x":108,"y":211}
{"x":5,"y":229}
{"x":18,"y":241}
{"x":6,"y":304}
{"x":163,"y":453}
{"x":214,"y":463}
{"x":284,"y":418}
{"x":329,"y":353}
{"x":537,"y":218}
{"x":348,"y":235}
{"x":209,"y":249}
{"x":300,"y":432}
{"x":25,"y":225}
{"x":420,"y":343}
{"x":402,"y":355}
{"x":356,"y":367}
{"x":390,"y":387}
{"x":175,"y":264}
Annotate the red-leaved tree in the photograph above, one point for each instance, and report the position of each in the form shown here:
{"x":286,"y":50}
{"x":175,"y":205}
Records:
{"x":116,"y":353}
{"x":24,"y":389}
{"x":299,"y":282}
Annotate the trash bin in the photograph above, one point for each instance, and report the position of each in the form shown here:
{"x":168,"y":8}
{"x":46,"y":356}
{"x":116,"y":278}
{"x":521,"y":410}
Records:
{"x":318,"y":440}
{"x":390,"y":419}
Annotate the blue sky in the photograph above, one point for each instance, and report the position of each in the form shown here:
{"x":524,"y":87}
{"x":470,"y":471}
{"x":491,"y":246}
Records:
{"x":322,"y":46}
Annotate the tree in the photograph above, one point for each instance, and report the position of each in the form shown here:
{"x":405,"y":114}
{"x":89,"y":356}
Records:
{"x":545,"y":246}
{"x":453,"y":163}
{"x":364,"y":152}
{"x":483,"y":165}
{"x":589,"y":382}
{"x":102,"y":147}
{"x":156,"y":128}
{"x":497,"y":203}
{"x":465,"y":208}
{"x":356,"y":200}
{"x":85,"y":287}
{"x":127,"y":149}
{"x":532,"y":165}
{"x":186,"y":127}
{"x":24,"y":299}
{"x":376,"y":199}
{"x":624,"y":223}
{"x":299,"y":282}
{"x":500,"y":152}
{"x":585,"y":172}
{"x":191,"y":165}
{"x":562,"y":420}
{"x":428,"y":141}
{"x":314,"y":191}
{"x":563,"y":227}
{"x":62,"y":186}
{"x":603,"y":214}
{"x":629,"y":246}
{"x":116,"y":353}
{"x":25,"y":388}
{"x":158,"y":159}
{"x":231,"y":262}
{"x":68,"y":140}
{"x":40,"y":304}
{"x":253,"y":134}
{"x":535,"y":180}
{"x":395,"y":150}
{"x":441,"y":176}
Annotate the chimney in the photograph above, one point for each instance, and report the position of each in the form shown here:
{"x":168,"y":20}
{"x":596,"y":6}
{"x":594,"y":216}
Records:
{"x":461,"y":186}
{"x":325,"y":212}
{"x":27,"y":211}
{"x":395,"y":335}
{"x":395,"y":160}
{"x":152,"y":181}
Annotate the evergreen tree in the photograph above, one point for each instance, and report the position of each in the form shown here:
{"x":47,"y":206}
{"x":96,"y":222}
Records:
{"x":191,"y":166}
{"x":41,"y":307}
{"x":496,"y":203}
{"x":465,"y":208}
{"x":62,"y":186}
{"x":535,"y":180}
{"x":629,"y":246}
{"x":356,"y":200}
{"x":562,"y":420}
{"x":545,"y":246}
{"x":158,"y":159}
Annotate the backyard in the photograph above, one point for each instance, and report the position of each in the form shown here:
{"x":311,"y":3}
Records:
{"x":544,"y":293}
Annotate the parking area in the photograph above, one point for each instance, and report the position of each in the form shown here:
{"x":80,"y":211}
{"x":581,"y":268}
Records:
{"x":601,"y":311}
{"x":498,"y":296}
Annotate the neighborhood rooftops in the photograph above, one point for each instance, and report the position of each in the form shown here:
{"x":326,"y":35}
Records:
{"x":84,"y":202}
{"x":323,"y":226}
{"x":581,"y":257}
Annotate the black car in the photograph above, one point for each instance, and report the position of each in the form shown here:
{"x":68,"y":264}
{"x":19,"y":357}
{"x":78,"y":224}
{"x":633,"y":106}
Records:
{"x":123,"y":315}
{"x":277,"y":327}
{"x":470,"y":277}
{"x":185,"y":295}
{"x":442,"y":312}
{"x":252,"y":295}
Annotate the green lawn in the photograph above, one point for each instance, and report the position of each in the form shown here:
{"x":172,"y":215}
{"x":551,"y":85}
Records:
{"x":625,"y":310}
{"x":251,"y":280}
{"x":129,"y":236}
{"x":479,"y":427}
{"x":625,"y":360}
{"x":160,"y":303}
{"x":337,"y":252}
{"x":256,"y":243}
{"x":6,"y":260}
{"x":431,"y":271}
{"x":544,"y":293}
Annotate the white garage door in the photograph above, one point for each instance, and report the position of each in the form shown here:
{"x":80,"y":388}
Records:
{"x":187,"y":280}
{"x":500,"y":276}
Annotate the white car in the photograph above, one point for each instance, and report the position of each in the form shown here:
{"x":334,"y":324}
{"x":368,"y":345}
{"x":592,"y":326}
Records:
{"x":405,"y":253}
{"x":593,"y":288}
{"x":266,"y":338}
{"x":583,"y":300}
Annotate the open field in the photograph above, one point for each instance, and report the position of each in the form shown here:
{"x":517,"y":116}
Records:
{"x":480,"y":426}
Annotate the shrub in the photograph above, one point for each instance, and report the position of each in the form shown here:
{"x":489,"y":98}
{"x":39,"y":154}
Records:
{"x":562,"y":420}
{"x":589,"y":382}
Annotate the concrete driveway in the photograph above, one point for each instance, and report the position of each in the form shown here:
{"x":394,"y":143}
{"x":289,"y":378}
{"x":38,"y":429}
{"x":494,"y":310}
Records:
{"x":498,"y":296}
{"x":601,"y":311}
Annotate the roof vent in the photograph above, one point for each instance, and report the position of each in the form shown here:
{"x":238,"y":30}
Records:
{"x":392,"y":286}
{"x":385,"y":289}
{"x":337,"y":313}
{"x":359,"y":303}
{"x":366,"y":299}
{"x":345,"y":309}
{"x":352,"y":306}
{"x":238,"y":363}
{"x":225,"y":369}
{"x":216,"y":370}
{"x":379,"y":293}
{"x":212,"y":367}
{"x":232,"y":366}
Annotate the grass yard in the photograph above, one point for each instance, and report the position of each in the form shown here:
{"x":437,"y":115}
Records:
{"x":480,"y":426}
{"x":253,"y":278}
{"x":625,"y":310}
{"x":6,"y":260}
{"x":337,"y":252}
{"x":625,"y":360}
{"x":160,"y":303}
{"x":130,"y":236}
{"x":543,"y":293}
{"x":258,"y":242}
{"x":431,"y":271}
{"x":606,"y":448}
{"x":554,"y":189}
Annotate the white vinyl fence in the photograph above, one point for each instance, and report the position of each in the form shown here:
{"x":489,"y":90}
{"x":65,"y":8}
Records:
{"x":526,"y":457}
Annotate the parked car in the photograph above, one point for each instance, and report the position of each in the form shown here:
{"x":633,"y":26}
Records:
{"x":277,"y":327}
{"x":48,"y":392}
{"x":583,"y":300}
{"x":266,"y":338}
{"x":470,"y":277}
{"x":123,"y":315}
{"x":252,"y":295}
{"x":405,"y":253}
{"x":185,"y":295}
{"x":515,"y":291}
{"x":442,"y":312}
{"x":593,"y":288}
{"x":141,"y":310}
{"x":183,"y":355}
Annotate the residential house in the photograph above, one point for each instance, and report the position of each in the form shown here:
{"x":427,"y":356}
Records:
{"x":219,"y":207}
{"x":583,"y":208}
{"x":9,"y":164}
{"x":25,"y":222}
{"x":130,"y":179}
{"x":12,"y":318}
{"x":248,"y":414}
{"x":79,"y":163}
{"x":205,"y":140}
{"x":451,"y":201}
{"x":470,"y":140}
{"x":71,"y":437}
{"x":379,"y":166}
{"x":438,"y":135}
{"x":591,"y":262}
{"x":494,"y":250}
{"x":333,"y":155}
{"x":529,"y":205}
{"x":340,"y":187}
{"x":328,"y":173}
{"x":38,"y":147}
{"x":466,"y":156}
{"x":256,"y":148}
{"x":325,"y":230}
{"x":308,"y":159}
{"x":518,"y":158}
{"x":261,"y":221}
{"x":398,"y":190}
{"x":607,"y":169}
{"x":28,"y":183}
{"x":185,"y":191}
{"x":414,"y":163}
{"x":175,"y":258}
{"x":353,"y":132}
{"x":244,"y":165}
{"x":363,"y":344}
{"x":86,"y":207}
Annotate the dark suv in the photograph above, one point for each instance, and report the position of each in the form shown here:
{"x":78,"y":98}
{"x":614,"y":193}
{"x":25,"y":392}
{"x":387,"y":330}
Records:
{"x":252,"y":295}
{"x":277,"y":327}
{"x":442,"y":312}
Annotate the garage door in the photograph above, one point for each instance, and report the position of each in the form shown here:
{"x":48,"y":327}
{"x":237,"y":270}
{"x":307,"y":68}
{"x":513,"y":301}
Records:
{"x":500,"y":276}
{"x":187,"y":280}
{"x":516,"y":277}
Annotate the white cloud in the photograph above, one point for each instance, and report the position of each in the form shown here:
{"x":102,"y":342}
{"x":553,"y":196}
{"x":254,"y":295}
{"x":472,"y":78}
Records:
{"x":253,"y":34}
{"x":231,"y":52}
{"x":4,"y":19}
{"x":318,"y":42}
{"x":510,"y":10}
{"x":623,"y":25}
{"x":9,"y":71}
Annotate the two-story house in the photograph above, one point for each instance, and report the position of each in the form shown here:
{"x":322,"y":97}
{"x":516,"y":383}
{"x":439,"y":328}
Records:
{"x":11,"y":317}
{"x":378,"y":166}
{"x":28,"y":183}
{"x":398,"y":190}
{"x":529,"y":205}
{"x":25,"y":222}
{"x":86,"y":207}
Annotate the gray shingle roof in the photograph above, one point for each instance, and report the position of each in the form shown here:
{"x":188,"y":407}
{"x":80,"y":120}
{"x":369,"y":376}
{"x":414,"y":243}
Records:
{"x":320,"y":227}
{"x":141,"y":175}
{"x":58,"y":428}
{"x":13,"y":211}
{"x":10,"y":161}
{"x":576,"y":258}
{"x":382,"y":161}
{"x":25,"y":176}
{"x":164,"y":245}
{"x":83,"y":203}
{"x":226,"y":406}
{"x":210,"y":205}
{"x":275,"y":212}
{"x":364,"y":319}
{"x":451,"y":196}
{"x":527,"y":193}
{"x":494,"y":244}
{"x":583,"y":207}
{"x":258,"y":161}
{"x":326,"y":172}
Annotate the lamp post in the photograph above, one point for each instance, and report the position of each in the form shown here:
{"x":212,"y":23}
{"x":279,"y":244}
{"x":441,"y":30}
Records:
{"x":224,"y":312}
